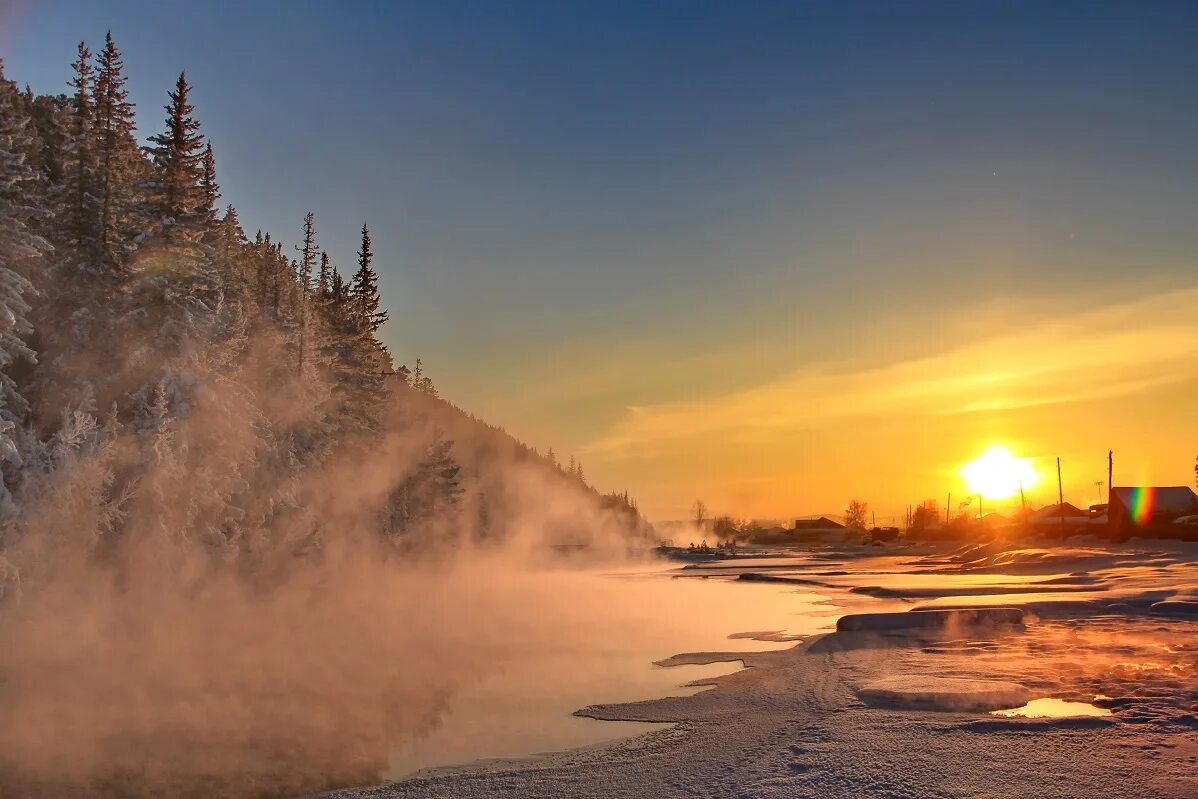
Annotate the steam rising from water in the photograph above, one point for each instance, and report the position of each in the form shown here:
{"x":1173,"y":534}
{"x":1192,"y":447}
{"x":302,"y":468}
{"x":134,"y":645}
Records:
{"x":252,"y":692}
{"x":155,"y":663}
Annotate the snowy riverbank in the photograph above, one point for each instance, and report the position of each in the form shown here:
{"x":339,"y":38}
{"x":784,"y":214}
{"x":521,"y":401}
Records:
{"x":1111,"y":627}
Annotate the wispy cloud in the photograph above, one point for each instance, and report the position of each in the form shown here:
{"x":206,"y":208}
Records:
{"x":1114,"y":350}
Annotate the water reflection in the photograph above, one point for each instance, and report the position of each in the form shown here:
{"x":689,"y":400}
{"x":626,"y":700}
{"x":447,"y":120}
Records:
{"x":624,"y":622}
{"x":1053,"y":709}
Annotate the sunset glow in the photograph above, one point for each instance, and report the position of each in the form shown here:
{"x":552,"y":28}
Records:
{"x":421,"y":399}
{"x":998,"y":474}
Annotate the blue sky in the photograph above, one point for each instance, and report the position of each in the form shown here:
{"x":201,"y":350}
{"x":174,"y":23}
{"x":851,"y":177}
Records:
{"x":582,"y":207}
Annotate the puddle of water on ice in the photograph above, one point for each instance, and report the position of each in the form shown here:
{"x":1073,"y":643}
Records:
{"x":1053,"y":709}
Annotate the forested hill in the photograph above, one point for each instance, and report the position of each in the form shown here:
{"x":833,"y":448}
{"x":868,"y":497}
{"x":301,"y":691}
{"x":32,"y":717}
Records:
{"x":167,"y":379}
{"x":511,"y":490}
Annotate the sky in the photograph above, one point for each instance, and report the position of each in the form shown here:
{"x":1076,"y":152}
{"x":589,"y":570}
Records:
{"x":776,"y":256}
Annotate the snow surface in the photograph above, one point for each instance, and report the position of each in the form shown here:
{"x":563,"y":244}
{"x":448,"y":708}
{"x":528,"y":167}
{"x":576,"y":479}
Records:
{"x":793,"y":723}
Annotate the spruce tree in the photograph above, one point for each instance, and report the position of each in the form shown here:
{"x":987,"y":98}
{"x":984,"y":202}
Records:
{"x":421,"y":381}
{"x":304,"y":268}
{"x":51,"y":119}
{"x":324,"y":277}
{"x":432,"y":489}
{"x":365,"y":287}
{"x":307,"y":251}
{"x":232,"y":237}
{"x":209,"y":188}
{"x":20,"y":248}
{"x":18,"y":180}
{"x":118,"y":160}
{"x":79,"y":211}
{"x":360,"y":363}
{"x":179,"y":199}
{"x":338,"y":290}
{"x":229,"y":242}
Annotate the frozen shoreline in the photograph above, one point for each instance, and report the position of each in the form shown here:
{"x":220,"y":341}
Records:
{"x":794,"y":722}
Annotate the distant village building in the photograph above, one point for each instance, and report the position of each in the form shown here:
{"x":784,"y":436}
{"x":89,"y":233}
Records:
{"x":1064,"y":519}
{"x":1153,"y":511}
{"x":822,"y":523}
{"x":805,"y":531}
{"x":1055,"y":512}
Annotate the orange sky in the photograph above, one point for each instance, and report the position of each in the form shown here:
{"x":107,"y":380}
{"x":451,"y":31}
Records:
{"x":1120,"y":375}
{"x":775,"y":259}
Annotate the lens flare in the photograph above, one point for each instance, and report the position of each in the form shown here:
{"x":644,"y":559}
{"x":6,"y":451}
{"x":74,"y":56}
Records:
{"x":1141,"y":505}
{"x":998,"y":474}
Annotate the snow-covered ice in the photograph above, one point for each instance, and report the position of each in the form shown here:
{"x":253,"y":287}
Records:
{"x":801,"y":722}
{"x":943,"y":693}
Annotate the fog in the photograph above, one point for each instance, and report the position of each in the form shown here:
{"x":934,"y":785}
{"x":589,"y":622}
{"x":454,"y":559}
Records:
{"x":161,"y":682}
{"x":186,"y":613}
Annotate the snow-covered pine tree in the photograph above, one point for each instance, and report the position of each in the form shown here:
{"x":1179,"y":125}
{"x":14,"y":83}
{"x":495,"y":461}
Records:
{"x":262,"y":253}
{"x":236,"y":260}
{"x":324,"y":277}
{"x":209,"y":188}
{"x":20,"y":249}
{"x":338,"y":291}
{"x":179,"y":201}
{"x":78,"y":209}
{"x":440,"y":475}
{"x":359,"y":363}
{"x":422,"y":382}
{"x":307,"y":251}
{"x":433,"y":489}
{"x":304,"y":267}
{"x":50,"y":116}
{"x":229,"y":237}
{"x":365,"y":287}
{"x":119,"y":164}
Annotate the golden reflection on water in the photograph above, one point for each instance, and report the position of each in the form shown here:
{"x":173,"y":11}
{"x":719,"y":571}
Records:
{"x":625,"y":621}
{"x":1048,"y":708}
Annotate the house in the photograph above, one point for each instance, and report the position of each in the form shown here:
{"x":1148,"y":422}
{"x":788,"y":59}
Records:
{"x":820,"y":531}
{"x":806,"y":531}
{"x":1056,"y":512}
{"x":822,"y":523}
{"x":1063,"y":519}
{"x":884,"y":534}
{"x":771,"y":535}
{"x":1151,"y":511}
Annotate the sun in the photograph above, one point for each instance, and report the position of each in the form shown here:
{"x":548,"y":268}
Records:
{"x":998,"y":474}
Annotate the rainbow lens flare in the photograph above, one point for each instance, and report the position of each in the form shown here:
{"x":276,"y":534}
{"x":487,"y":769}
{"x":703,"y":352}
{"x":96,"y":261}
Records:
{"x":1141,"y":505}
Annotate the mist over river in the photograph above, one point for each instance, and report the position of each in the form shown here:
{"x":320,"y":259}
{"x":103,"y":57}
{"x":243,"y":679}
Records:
{"x":602,"y":649}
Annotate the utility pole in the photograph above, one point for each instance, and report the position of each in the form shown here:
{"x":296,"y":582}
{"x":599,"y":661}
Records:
{"x":948,"y":504}
{"x":1060,"y":495}
{"x":1110,"y":469}
{"x":1022,"y":504}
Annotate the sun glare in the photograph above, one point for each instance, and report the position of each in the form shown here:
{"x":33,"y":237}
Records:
{"x":998,"y":474}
